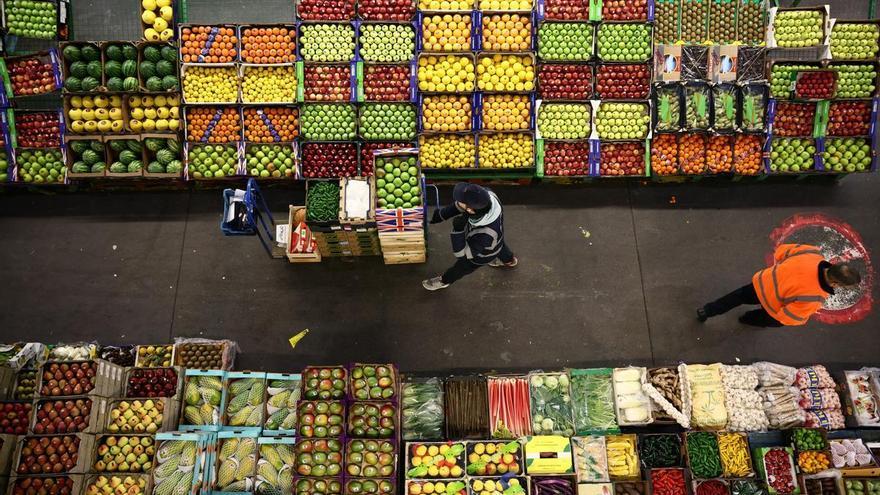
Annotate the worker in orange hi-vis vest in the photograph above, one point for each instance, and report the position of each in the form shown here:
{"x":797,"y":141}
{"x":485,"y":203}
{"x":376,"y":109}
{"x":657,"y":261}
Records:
{"x":790,"y":291}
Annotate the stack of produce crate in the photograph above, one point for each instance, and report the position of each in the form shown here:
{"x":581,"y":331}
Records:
{"x":447,"y":85}
{"x":400,"y":213}
{"x":622,"y":112}
{"x":565,"y":88}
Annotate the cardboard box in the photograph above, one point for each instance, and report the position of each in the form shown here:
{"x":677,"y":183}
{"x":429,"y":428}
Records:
{"x":76,"y":481}
{"x":94,"y":422}
{"x":230,"y":379}
{"x":170,"y":414}
{"x":143,"y":355}
{"x":149,"y":156}
{"x":219,"y":409}
{"x":292,"y":382}
{"x":370,"y":216}
{"x":85,"y":453}
{"x":201,"y":481}
{"x":548,"y":455}
{"x":107,"y":380}
{"x":129,"y":372}
{"x":8,"y":444}
{"x":158,"y":44}
{"x":71,"y":157}
{"x":65,"y":65}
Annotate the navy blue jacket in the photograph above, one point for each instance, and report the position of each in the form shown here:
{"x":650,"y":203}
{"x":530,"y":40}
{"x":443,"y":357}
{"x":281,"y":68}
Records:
{"x":480,"y":244}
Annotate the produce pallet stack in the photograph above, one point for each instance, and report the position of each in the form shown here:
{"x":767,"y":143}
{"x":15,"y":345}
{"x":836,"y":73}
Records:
{"x":121,"y":110}
{"x":716,"y":22}
{"x":400,"y":206}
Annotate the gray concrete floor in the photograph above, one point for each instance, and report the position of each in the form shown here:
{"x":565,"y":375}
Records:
{"x":609,"y":273}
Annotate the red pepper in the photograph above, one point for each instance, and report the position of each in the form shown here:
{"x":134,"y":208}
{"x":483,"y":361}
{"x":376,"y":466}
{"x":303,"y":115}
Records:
{"x":778,"y":465}
{"x":668,"y":482}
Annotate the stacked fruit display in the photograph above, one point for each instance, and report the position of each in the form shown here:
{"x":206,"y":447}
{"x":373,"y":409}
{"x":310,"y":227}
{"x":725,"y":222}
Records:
{"x":283,"y":393}
{"x":324,"y":383}
{"x":506,"y":33}
{"x":116,"y":485}
{"x":62,"y":416}
{"x":88,"y":157}
{"x":388,"y":121}
{"x":38,"y":129}
{"x":622,"y":120}
{"x":780,"y":78}
{"x":623,"y":10}
{"x":567,"y":10}
{"x":564,"y":120}
{"x":245,"y":400}
{"x":125,"y":156}
{"x":213,"y":124}
{"x":121,"y":67}
{"x":666,"y":18}
{"x":372,"y":420}
{"x":328,"y":122}
{"x":566,"y":159}
{"x":210,"y":84}
{"x":367,"y":149}
{"x":506,"y":112}
{"x":446,"y":33}
{"x":722,"y":21}
{"x":268,"y":84}
{"x":40,"y":166}
{"x":26,"y":385}
{"x":622,"y":159}
{"x":83,"y":70}
{"x":157,"y":17}
{"x":565,"y":81}
{"x":623,"y":82}
{"x":815,"y":85}
{"x":798,"y":28}
{"x":270,"y":161}
{"x":694,"y":20}
{"x":32,"y":75}
{"x":275,"y":468}
{"x":386,"y":83}
{"x":719,"y":154}
{"x":319,"y":457}
{"x":124,"y":454}
{"x":152,"y":382}
{"x":847,"y":155}
{"x":163,"y":157}
{"x":327,"y":83}
{"x":268,"y":45}
{"x":792,"y":155}
{"x":624,"y":42}
{"x":446,"y":73}
{"x":154,"y":355}
{"x":36,"y":452}
{"x":570,"y":41}
{"x":370,"y":458}
{"x":319,"y":10}
{"x":208,"y":45}
{"x":33,"y":485}
{"x":854,"y":41}
{"x":506,"y":150}
{"x":175,"y":461}
{"x":154,"y":113}
{"x":387,"y":43}
{"x":15,"y":417}
{"x":95,"y":114}
{"x":747,"y":150}
{"x":397,"y":185}
{"x":136,"y":416}
{"x":158,"y":68}
{"x":849,"y":118}
{"x":328,"y":160}
{"x":63,"y":379}
{"x":507,"y":73}
{"x":794,"y":119}
{"x":4,"y":161}
{"x":447,"y":151}
{"x":327,"y":42}
{"x":32,"y":19}
{"x":202,"y":397}
{"x":213,"y":161}
{"x":237,"y":464}
{"x":692,"y":153}
{"x":750,"y":22}
{"x":271,"y":124}
{"x":664,"y":154}
{"x":856,"y":80}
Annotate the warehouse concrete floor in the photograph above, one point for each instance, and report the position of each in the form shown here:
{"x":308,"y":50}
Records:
{"x":609,"y":273}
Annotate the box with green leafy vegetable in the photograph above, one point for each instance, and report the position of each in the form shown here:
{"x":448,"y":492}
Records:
{"x":551,"y":405}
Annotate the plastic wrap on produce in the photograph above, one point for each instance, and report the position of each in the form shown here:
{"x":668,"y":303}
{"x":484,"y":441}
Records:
{"x":743,"y":403}
{"x":593,"y":401}
{"x":590,"y":459}
{"x":422,"y":408}
{"x":694,"y":63}
{"x":23,"y":355}
{"x":122,"y":355}
{"x":633,"y":406}
{"x":696,"y":106}
{"x":707,"y":395}
{"x":723,"y":107}
{"x":780,"y":404}
{"x":667,"y":107}
{"x":551,"y":406}
{"x":74,"y":351}
{"x":770,"y":374}
{"x":814,"y":377}
{"x":753,"y":104}
{"x":830,"y":419}
{"x":750,"y":64}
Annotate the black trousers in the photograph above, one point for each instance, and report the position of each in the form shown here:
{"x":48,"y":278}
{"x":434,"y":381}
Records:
{"x":744,"y":295}
{"x":464,"y":266}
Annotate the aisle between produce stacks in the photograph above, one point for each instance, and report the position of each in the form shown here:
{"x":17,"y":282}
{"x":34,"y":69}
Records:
{"x":477,"y":234}
{"x":790,"y":291}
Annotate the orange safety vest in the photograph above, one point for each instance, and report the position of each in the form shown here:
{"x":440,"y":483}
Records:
{"x":790,"y":290}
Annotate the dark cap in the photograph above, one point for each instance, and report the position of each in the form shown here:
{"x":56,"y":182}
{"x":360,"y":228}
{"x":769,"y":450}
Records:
{"x":474,"y":196}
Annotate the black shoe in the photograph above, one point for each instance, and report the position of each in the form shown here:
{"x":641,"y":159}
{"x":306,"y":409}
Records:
{"x":701,"y":315}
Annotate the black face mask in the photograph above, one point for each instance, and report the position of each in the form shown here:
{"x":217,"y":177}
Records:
{"x":479,"y":213}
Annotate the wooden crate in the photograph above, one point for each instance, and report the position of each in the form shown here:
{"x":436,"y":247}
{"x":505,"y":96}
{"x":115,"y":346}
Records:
{"x":298,"y":257}
{"x":402,"y":247}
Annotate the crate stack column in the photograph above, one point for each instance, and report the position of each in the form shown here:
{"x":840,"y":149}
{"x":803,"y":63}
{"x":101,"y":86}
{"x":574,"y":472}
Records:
{"x":624,"y":49}
{"x":565,"y":88}
{"x":506,"y":69}
{"x":446,"y":77}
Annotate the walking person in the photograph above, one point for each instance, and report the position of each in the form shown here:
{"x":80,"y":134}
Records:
{"x":477,"y":234}
{"x":790,"y":291}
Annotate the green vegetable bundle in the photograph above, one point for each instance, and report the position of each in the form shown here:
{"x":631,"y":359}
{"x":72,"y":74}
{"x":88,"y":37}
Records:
{"x":322,"y":201}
